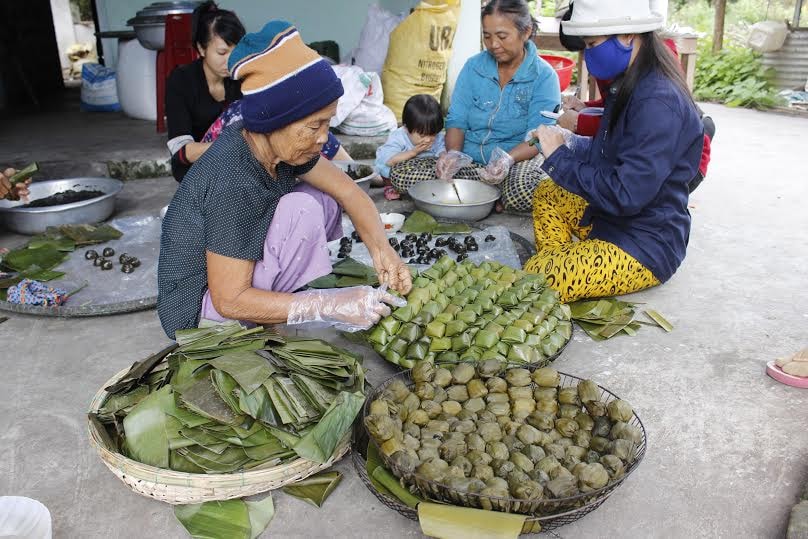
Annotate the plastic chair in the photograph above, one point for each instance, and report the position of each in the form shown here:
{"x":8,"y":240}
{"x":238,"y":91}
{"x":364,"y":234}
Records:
{"x":178,"y":50}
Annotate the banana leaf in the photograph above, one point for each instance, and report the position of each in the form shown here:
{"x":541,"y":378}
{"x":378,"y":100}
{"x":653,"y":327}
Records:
{"x":258,"y":405}
{"x":279,"y":402}
{"x":319,"y":443}
{"x":419,"y":222}
{"x":318,"y":395}
{"x":234,"y":519}
{"x":237,"y":347}
{"x":347,"y":272}
{"x":301,"y":406}
{"x":181,"y":464}
{"x":326,"y":281}
{"x":225,"y":387}
{"x":116,"y":403}
{"x":43,"y":258}
{"x":139,"y":370}
{"x":314,"y":489}
{"x":145,"y":428}
{"x":450,"y":521}
{"x":109,"y":442}
{"x":60,"y":244}
{"x":247,"y":368}
{"x":202,"y":399}
{"x":659,"y":319}
{"x":85,"y":234}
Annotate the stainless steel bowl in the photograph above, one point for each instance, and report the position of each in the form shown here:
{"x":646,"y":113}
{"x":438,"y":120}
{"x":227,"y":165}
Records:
{"x":438,"y":198}
{"x":36,"y":220}
{"x":149,"y":22}
{"x":151,"y":36}
{"x":363,"y":182}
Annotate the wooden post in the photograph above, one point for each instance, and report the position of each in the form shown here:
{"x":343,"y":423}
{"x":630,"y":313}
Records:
{"x":718,"y":31}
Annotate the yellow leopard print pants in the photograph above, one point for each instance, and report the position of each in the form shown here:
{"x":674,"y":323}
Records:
{"x":582,"y":269}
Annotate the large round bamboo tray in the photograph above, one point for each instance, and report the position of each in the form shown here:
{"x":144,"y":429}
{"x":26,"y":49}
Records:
{"x":178,"y":488}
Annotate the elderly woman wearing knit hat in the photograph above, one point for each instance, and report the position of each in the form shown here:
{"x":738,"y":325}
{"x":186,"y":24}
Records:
{"x":249,"y":224}
{"x":623,"y":192}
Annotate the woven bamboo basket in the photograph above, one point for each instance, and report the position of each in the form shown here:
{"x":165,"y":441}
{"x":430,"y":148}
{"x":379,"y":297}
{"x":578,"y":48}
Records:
{"x":179,"y":488}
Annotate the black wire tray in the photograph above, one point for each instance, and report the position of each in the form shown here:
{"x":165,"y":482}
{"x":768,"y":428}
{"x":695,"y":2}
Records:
{"x":532,"y":525}
{"x":551,"y":513}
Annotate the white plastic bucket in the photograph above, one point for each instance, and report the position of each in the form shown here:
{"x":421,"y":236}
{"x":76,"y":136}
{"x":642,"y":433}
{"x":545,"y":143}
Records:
{"x":137,"y":80}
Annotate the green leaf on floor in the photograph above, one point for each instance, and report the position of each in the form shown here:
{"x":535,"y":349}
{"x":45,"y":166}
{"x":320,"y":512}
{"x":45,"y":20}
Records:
{"x":314,"y":489}
{"x":228,"y":519}
{"x":659,"y":319}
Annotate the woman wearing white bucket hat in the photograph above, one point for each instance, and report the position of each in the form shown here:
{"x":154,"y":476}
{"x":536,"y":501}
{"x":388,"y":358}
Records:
{"x":623,"y":192}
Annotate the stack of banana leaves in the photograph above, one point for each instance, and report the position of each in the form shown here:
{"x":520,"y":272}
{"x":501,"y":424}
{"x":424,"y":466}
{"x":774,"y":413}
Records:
{"x":227,"y":398}
{"x":465,"y":312}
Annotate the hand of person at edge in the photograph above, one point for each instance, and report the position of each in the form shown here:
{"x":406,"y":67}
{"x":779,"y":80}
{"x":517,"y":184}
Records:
{"x":569,"y":120}
{"x":12,"y":192}
{"x":570,"y":102}
{"x":391,"y":270}
{"x":550,"y":139}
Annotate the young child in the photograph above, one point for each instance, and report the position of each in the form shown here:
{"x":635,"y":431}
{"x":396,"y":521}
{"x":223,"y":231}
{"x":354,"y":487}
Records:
{"x":420,"y":136}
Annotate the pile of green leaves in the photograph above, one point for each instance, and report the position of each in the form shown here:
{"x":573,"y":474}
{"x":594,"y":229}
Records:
{"x":603,"y":319}
{"x":37,"y":258}
{"x":735,"y":76}
{"x":227,"y":398}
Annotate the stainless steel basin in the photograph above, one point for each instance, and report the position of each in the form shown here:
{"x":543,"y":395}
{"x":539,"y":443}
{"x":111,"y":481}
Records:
{"x":36,"y":220}
{"x":438,"y":198}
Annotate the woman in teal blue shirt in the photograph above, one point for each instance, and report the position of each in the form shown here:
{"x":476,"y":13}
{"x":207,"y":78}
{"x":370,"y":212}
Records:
{"x":498,"y":98}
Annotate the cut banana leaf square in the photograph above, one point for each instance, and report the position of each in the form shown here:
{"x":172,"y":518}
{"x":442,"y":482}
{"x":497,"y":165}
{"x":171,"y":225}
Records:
{"x":461,"y":342}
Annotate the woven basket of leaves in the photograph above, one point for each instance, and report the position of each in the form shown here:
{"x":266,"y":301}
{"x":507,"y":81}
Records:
{"x":239,"y":420}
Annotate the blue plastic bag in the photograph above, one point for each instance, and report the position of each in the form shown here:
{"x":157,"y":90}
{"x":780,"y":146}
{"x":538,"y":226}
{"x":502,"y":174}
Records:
{"x":99,"y":89}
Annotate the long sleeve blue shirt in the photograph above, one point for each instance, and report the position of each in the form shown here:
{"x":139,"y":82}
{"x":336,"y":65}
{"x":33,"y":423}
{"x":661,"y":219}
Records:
{"x":635,"y":177}
{"x":399,"y":141}
{"x":492,"y":116}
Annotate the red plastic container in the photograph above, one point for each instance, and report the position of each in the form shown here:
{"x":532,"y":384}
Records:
{"x":562,"y":66}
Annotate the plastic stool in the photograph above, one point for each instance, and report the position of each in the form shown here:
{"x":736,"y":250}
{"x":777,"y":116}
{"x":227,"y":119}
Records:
{"x":179,"y":49}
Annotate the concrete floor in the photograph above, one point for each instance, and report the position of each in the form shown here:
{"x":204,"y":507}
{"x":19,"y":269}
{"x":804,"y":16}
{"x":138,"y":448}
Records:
{"x":728,"y":446}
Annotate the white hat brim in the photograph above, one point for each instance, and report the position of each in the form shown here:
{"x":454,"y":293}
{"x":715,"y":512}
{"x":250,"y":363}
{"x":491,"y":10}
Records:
{"x":612,"y":27}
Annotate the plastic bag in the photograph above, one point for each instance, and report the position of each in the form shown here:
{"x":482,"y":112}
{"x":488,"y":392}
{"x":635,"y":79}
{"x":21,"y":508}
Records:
{"x":498,"y":167}
{"x":361,"y":110}
{"x":346,"y":309}
{"x":374,"y":39}
{"x":99,"y":89}
{"x":419,"y":53}
{"x":449,"y":163}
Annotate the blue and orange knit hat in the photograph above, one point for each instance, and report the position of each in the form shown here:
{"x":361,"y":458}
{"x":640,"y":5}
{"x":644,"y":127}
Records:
{"x":282,"y":79}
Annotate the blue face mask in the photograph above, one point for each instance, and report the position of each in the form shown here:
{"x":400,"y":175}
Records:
{"x":609,"y":59}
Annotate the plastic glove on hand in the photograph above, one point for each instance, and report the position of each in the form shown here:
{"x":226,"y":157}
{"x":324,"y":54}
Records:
{"x":346,"y":309}
{"x":498,"y":167}
{"x":449,"y":163}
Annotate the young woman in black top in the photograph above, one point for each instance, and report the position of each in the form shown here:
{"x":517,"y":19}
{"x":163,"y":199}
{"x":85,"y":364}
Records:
{"x":197,"y":93}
